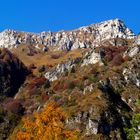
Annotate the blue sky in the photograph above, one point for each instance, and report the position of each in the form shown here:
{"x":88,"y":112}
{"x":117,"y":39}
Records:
{"x":54,"y":15}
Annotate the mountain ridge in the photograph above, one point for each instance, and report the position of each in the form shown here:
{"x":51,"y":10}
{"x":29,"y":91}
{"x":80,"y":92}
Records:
{"x":64,"y":29}
{"x":83,"y":37}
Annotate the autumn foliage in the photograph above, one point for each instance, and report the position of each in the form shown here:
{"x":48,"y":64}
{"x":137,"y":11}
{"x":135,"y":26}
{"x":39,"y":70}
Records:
{"x":45,"y":125}
{"x":113,"y":55}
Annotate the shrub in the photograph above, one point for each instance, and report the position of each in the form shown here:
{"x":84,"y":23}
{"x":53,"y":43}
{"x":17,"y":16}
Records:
{"x":14,"y":106}
{"x":37,"y":82}
{"x":55,"y":56}
{"x":127,"y":58}
{"x":110,"y":53}
{"x":1,"y":114}
{"x":73,"y":70}
{"x":68,"y":85}
{"x":47,"y":84}
{"x":134,"y":130}
{"x":42,"y":68}
{"x":45,"y":97}
{"x":32,"y":66}
{"x":117,"y":60}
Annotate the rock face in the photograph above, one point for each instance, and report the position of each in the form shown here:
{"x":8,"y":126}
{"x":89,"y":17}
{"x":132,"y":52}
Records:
{"x":132,"y":73}
{"x":132,"y":77}
{"x":92,"y":58}
{"x":84,"y":37}
{"x":61,"y":68}
{"x":134,"y":51}
{"x":137,"y":40}
{"x":8,"y":39}
{"x":92,"y":127}
{"x":85,"y":119}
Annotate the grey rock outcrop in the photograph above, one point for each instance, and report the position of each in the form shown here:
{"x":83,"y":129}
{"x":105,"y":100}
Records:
{"x":132,"y":73}
{"x":92,"y":127}
{"x":92,"y":58}
{"x":134,"y":51}
{"x":137,"y":40}
{"x":61,"y":68}
{"x":88,"y":89}
{"x":9,"y":38}
{"x":86,"y":120}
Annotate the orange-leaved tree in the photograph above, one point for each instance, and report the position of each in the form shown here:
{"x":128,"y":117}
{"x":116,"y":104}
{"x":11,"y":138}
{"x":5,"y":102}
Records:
{"x":45,"y":125}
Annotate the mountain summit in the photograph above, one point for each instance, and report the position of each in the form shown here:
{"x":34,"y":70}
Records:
{"x":84,"y":37}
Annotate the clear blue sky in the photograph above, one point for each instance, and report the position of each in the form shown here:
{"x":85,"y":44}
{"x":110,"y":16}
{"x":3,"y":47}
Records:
{"x":54,"y":15}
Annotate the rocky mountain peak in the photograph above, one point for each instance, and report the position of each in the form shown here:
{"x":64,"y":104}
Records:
{"x":115,"y":28}
{"x":84,"y":37}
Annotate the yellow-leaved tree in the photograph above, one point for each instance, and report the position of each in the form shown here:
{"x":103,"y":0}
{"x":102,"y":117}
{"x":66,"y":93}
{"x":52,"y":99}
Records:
{"x":45,"y":125}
